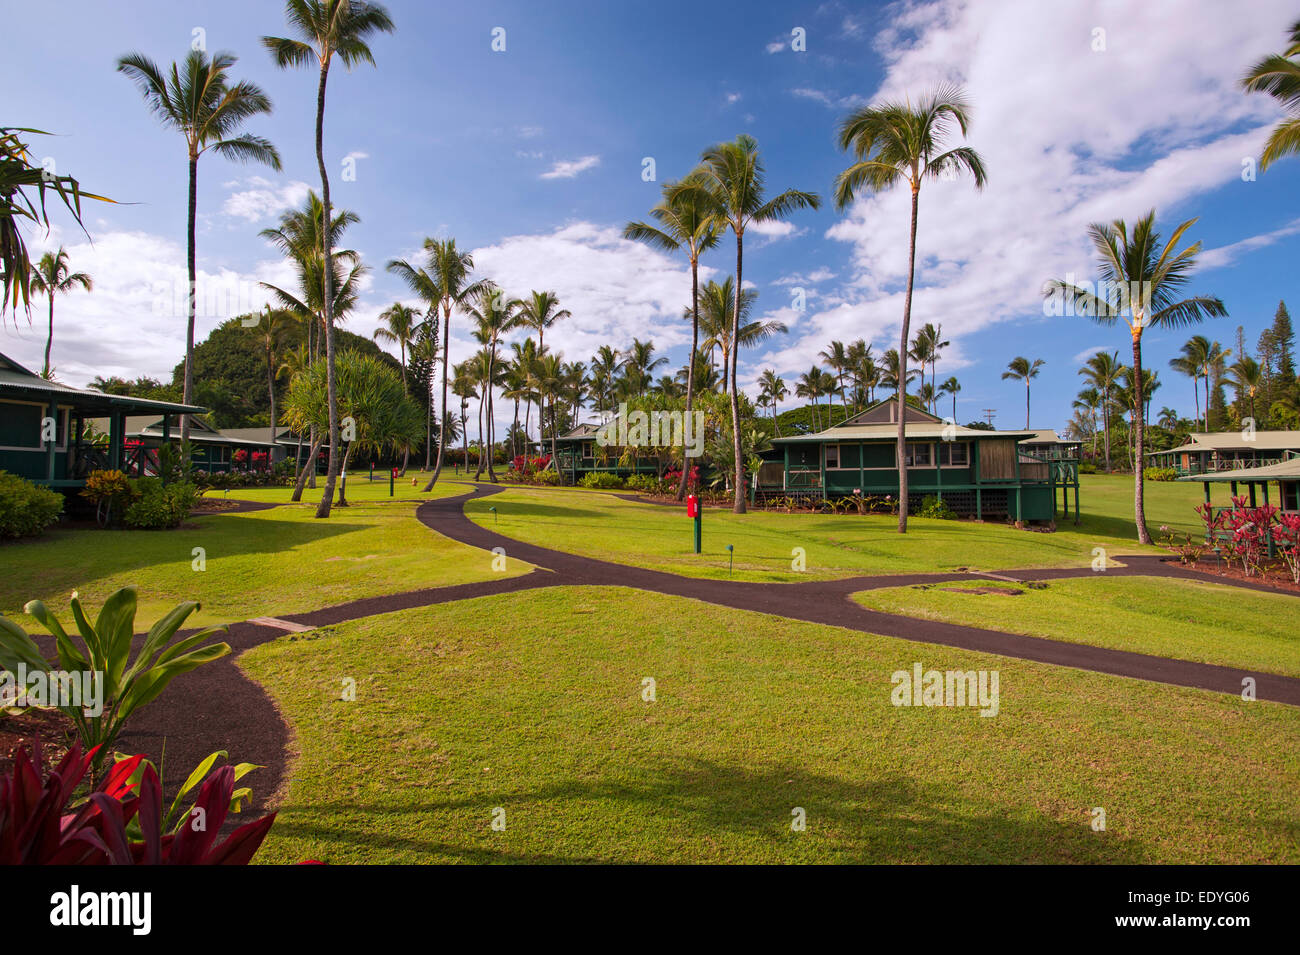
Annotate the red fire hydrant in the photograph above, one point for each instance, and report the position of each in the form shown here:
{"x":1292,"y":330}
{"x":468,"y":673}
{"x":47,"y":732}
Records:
{"x":693,"y":511}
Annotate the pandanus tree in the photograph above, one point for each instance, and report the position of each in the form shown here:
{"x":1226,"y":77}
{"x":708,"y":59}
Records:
{"x":1022,"y":369}
{"x":897,"y":143}
{"x":1143,"y":281}
{"x":734,"y":175}
{"x":325,"y":29}
{"x":444,"y":283}
{"x":197,"y":99}
{"x":685,"y":221}
{"x":52,"y":276}
{"x":1278,"y":75}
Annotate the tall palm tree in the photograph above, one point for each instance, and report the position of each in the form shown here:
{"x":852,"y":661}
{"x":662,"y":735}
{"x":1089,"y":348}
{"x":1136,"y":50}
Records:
{"x":1102,"y":371}
{"x":639,"y":364}
{"x":495,"y":316}
{"x":1216,"y":365}
{"x":1246,"y":377}
{"x":1279,"y":76}
{"x":930,"y":343}
{"x":1087,"y":402}
{"x":719,"y":325}
{"x":50,"y":277}
{"x":443,"y":282}
{"x":276,"y":329}
{"x":891,"y":372}
{"x":463,"y":388}
{"x":525,"y":359}
{"x":896,"y":143}
{"x":857,"y":353}
{"x":1194,"y":362}
{"x":837,"y":356}
{"x":686,"y":220}
{"x":541,"y":310}
{"x":197,"y":99}
{"x":1168,"y":418}
{"x":548,"y":380}
{"x":1022,"y":369}
{"x":811,"y":384}
{"x":400,"y":322}
{"x":325,"y":29}
{"x":951,"y":386}
{"x":774,"y":387}
{"x":734,"y":175}
{"x":1138,"y":261}
{"x":604,"y":368}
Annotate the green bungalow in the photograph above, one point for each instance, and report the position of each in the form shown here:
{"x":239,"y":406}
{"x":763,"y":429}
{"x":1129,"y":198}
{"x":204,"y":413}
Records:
{"x":211,"y":449}
{"x":29,"y":404}
{"x":577,"y":453}
{"x":1228,"y":451}
{"x":1285,"y":474}
{"x":982,"y":474}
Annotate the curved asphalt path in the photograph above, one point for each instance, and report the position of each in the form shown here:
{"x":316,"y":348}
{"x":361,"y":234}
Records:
{"x":218,"y":707}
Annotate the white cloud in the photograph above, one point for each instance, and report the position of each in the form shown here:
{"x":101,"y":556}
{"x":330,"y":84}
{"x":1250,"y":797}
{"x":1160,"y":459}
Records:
{"x":1227,"y":254}
{"x":265,"y":198}
{"x":776,"y":46}
{"x":732,"y":98}
{"x":821,"y":274}
{"x":569,"y":168}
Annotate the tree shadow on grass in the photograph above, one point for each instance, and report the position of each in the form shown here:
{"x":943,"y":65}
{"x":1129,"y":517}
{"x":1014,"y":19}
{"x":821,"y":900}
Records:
{"x":740,"y":813}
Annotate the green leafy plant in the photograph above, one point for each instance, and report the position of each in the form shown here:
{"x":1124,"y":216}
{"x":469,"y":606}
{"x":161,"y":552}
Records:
{"x":160,"y":506}
{"x":1160,"y":474}
{"x":104,"y":650}
{"x":935,"y":507}
{"x":601,"y":480}
{"x":26,"y":509}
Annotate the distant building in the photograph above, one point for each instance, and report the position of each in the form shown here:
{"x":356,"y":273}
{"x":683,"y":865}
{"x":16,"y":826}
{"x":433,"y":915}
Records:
{"x":1228,"y":450}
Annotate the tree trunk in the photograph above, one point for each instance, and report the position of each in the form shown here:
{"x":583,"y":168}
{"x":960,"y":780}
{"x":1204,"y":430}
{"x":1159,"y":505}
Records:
{"x":902,"y":369}
{"x":1026,"y":404}
{"x":1105,"y":423}
{"x":478,"y":473}
{"x":739,"y":506}
{"x":309,"y":466}
{"x":187,"y":388}
{"x":343,"y":484}
{"x":1139,"y":438}
{"x":49,"y":341}
{"x":332,"y":474}
{"x":442,"y":431}
{"x":690,"y":369}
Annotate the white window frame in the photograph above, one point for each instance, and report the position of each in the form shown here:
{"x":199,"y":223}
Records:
{"x":912,"y":466}
{"x":965,"y":445}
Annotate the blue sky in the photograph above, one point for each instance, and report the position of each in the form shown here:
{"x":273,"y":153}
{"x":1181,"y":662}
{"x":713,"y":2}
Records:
{"x":533,"y":158}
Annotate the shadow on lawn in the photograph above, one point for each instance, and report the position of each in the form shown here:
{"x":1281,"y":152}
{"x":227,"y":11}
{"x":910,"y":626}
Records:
{"x":740,"y":814}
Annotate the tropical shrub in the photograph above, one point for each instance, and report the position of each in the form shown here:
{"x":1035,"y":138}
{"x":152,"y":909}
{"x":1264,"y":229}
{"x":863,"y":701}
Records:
{"x":121,"y":822}
{"x":601,"y":480}
{"x":111,"y":491}
{"x":647,"y":483}
{"x":1287,"y":536}
{"x":1160,"y":474}
{"x":936,"y":507}
{"x":103,"y":654}
{"x":160,"y":506}
{"x":26,"y":509}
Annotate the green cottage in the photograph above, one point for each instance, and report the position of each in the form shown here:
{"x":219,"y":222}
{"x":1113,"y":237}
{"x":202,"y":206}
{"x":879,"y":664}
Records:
{"x":981,"y":474}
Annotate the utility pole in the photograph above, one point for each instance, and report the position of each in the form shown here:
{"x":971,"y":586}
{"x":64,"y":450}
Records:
{"x":988,"y":415}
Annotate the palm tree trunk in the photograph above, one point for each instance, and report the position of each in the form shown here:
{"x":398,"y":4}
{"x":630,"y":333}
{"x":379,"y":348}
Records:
{"x":428,"y":428}
{"x":308,"y":466}
{"x":492,"y":428}
{"x":331,"y":386}
{"x":1139,"y":437}
{"x":187,"y":388}
{"x":1105,"y":423}
{"x":690,"y":368}
{"x":49,"y":341}
{"x":902,"y":369}
{"x":478,"y":473}
{"x":343,"y":469}
{"x":1026,"y":404}
{"x":554,"y":454}
{"x":739,"y":506}
{"x":442,"y":428}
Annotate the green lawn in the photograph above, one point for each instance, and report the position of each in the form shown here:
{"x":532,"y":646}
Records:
{"x":836,"y":545}
{"x":1183,"y":619}
{"x":532,"y":703}
{"x":262,"y":563}
{"x":360,"y":490}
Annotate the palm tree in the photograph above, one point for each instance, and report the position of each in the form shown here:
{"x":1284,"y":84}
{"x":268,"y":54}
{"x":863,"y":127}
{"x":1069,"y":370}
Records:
{"x":275,"y":330}
{"x":685,"y":216}
{"x":639,"y":364}
{"x":443,"y":281}
{"x":837,"y":356}
{"x":857,"y":353}
{"x":812,"y":384}
{"x":717,"y":321}
{"x":463,"y":388}
{"x":197,"y":100}
{"x":495,"y":316}
{"x":325,"y":29}
{"x":927,"y":346}
{"x":733,"y":173}
{"x":1137,"y":261}
{"x":889,"y":375}
{"x":1088,"y":401}
{"x":1279,"y":76}
{"x":1168,"y":419}
{"x":1216,"y":364}
{"x":51,"y":277}
{"x":1102,"y":371}
{"x":951,"y":386}
{"x":1194,"y":362}
{"x":1246,"y":377}
{"x":1022,"y":369}
{"x":400,"y":322}
{"x":604,"y":368}
{"x":525,"y":360}
{"x":893,"y":143}
{"x":541,"y":310}
{"x":774,"y":388}
{"x":548,"y":379}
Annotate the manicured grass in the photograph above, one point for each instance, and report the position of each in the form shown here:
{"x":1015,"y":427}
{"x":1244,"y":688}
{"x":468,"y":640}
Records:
{"x":262,"y":563}
{"x":360,"y":490}
{"x":533,"y":703}
{"x":1182,"y":619}
{"x":836,"y":545}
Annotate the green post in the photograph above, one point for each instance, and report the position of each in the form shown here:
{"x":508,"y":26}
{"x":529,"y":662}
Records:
{"x":391,"y":481}
{"x":698,"y":529}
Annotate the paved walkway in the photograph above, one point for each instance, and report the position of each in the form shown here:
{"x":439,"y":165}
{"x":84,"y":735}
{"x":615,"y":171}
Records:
{"x":218,"y":707}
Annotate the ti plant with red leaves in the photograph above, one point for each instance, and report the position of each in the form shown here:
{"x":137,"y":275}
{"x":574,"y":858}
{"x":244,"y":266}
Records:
{"x":1287,"y":536}
{"x":42,"y":824}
